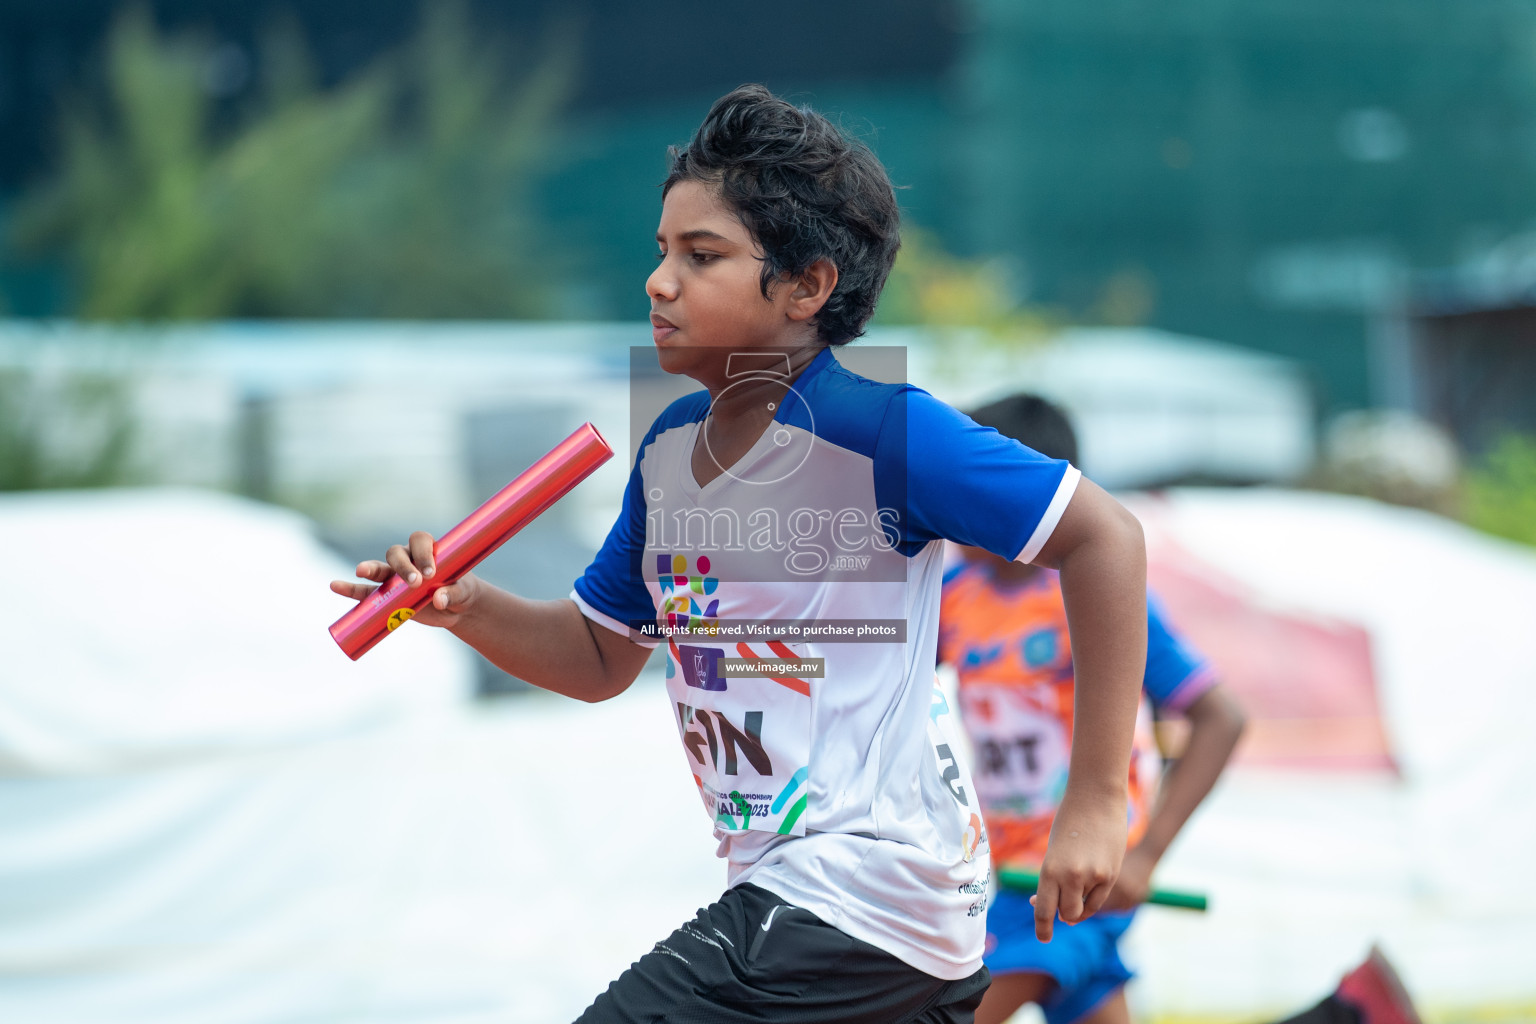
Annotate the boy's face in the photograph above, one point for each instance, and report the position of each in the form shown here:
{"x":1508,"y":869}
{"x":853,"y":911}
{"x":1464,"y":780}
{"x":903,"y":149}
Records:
{"x":706,"y":294}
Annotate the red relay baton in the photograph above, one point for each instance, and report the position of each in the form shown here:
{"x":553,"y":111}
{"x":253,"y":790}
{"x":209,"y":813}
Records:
{"x":466,"y":545}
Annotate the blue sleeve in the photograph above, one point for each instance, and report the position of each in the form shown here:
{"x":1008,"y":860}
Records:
{"x":613,"y":586}
{"x":950,"y":477}
{"x":1176,"y":672}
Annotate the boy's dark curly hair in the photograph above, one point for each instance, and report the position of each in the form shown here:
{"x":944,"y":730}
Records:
{"x":806,"y":192}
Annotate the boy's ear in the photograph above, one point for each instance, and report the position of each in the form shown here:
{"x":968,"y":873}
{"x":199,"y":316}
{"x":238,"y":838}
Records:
{"x":812,"y":289}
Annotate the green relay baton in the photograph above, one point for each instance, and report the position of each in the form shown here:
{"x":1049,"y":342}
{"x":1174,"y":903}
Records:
{"x":1029,"y":881}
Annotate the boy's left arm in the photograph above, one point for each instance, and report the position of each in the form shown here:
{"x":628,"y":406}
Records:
{"x":1216,"y":723}
{"x":1098,"y":549}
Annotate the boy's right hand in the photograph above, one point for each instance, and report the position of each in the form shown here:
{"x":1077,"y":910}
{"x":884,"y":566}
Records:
{"x":1082,"y":859}
{"x":414,"y":562}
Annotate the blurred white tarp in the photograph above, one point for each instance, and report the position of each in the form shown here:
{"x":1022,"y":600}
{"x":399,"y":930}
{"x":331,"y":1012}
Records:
{"x":1148,"y":406}
{"x":1306,"y":868}
{"x":208,"y":815}
{"x":158,"y":625}
{"x":303,"y":412}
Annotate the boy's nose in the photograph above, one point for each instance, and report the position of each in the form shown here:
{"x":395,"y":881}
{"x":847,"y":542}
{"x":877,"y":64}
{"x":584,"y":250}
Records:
{"x":661,"y":284}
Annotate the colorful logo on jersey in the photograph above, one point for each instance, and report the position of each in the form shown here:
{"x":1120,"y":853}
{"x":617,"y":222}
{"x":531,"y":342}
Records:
{"x":687,"y":598}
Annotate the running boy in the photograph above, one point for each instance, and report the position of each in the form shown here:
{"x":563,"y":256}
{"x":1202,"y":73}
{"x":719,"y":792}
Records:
{"x":857,"y":865}
{"x":1003,"y":628}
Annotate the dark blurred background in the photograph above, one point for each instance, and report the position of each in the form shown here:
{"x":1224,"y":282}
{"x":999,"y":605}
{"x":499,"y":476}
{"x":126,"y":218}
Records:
{"x":1277,"y":175}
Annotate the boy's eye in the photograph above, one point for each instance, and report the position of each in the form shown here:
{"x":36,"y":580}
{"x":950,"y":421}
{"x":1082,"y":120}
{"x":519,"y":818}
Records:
{"x":704,"y":257}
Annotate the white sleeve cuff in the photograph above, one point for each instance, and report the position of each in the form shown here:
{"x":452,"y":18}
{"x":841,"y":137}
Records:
{"x":1053,"y":513}
{"x":612,"y":623}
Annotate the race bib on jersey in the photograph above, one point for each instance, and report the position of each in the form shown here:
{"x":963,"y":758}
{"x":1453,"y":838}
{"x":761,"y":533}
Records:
{"x":1021,"y":749}
{"x":747,"y":738}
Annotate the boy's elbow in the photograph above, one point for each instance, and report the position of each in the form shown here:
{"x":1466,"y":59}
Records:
{"x":1217,"y":710}
{"x":1230,"y":713}
{"x":1113,"y":524}
{"x":600,"y":694}
{"x":1129,"y":529}
{"x":603,"y":686}
{"x":1237,"y":721}
{"x":1119,"y":534}
{"x":608,"y":684}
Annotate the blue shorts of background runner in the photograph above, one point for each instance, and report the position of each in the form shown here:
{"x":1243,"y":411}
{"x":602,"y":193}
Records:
{"x":1082,"y":958}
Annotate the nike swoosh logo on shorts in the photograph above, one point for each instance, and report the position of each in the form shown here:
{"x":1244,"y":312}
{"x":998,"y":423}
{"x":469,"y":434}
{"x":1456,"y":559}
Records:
{"x":768,"y":923}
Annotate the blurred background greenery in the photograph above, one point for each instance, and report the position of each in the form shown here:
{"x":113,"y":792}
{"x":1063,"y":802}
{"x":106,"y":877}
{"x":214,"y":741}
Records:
{"x":402,"y":190}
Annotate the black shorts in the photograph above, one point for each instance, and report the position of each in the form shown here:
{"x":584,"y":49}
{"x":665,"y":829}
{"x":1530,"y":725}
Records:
{"x":752,"y":957}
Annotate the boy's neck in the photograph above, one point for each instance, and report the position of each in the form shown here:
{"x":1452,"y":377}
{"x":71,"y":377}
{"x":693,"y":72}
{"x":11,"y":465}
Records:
{"x":742,"y":409}
{"x":752,"y":394}
{"x":750,"y":376}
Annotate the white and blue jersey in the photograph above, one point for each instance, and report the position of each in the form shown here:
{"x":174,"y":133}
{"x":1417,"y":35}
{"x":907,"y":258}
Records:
{"x":830,"y":773}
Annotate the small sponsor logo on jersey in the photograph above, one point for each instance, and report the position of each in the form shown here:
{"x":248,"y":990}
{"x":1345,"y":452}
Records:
{"x":701,"y":666}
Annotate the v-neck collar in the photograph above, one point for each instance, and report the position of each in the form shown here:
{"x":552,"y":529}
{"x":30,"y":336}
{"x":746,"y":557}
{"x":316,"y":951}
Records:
{"x":792,"y":398}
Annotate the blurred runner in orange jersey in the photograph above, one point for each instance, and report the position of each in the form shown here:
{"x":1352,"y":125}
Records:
{"x":1003,"y":627}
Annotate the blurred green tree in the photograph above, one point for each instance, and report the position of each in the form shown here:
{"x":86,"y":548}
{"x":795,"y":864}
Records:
{"x":1501,"y":490}
{"x":961,"y":302}
{"x":69,"y":432}
{"x":403,"y":191}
